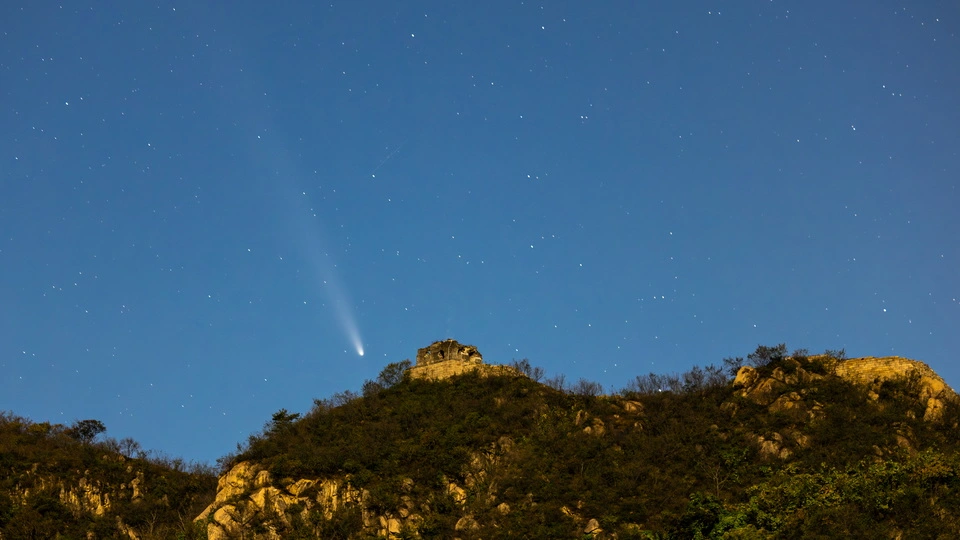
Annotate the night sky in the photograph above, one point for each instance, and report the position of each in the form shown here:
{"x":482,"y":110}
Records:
{"x":208,"y":210}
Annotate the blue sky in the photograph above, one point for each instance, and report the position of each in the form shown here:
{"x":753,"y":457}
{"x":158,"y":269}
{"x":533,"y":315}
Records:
{"x":205,"y":209}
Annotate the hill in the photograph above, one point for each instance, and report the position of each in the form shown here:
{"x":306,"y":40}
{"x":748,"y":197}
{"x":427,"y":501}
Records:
{"x":774,"y":446}
{"x":793,"y":447}
{"x":60,"y":482}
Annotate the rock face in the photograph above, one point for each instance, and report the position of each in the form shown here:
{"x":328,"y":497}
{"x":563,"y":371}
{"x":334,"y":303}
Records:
{"x":247,"y":495}
{"x":445,"y":359}
{"x":252,"y":503}
{"x":88,"y":496}
{"x":866,"y":371}
{"x":84,"y":497}
{"x":869,"y":370}
{"x":773,"y":390}
{"x":249,"y":498}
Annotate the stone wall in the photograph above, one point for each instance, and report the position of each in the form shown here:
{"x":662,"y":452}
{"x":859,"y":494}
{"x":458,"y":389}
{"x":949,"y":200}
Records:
{"x":444,"y":359}
{"x":446,"y":351}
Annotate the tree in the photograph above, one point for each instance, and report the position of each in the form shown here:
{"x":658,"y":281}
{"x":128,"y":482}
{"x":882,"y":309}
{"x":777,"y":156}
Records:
{"x":764,"y":355}
{"x":557,"y":382}
{"x":370,"y":388}
{"x":733,"y":364}
{"x":130,"y":447}
{"x":587,"y":388}
{"x":281,"y":420}
{"x":694,"y":379}
{"x":838,"y":354}
{"x":534,"y":373}
{"x":393,"y":373}
{"x":86,"y":431}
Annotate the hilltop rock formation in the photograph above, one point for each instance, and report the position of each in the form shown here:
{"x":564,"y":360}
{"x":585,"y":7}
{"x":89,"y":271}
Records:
{"x":868,"y":371}
{"x":873,"y":371}
{"x":448,"y":358}
{"x":784,"y":390}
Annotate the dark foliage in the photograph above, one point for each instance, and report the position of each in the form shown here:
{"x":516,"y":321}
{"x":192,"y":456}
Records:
{"x":765,"y":355}
{"x":534,"y":373}
{"x":669,"y":456}
{"x":86,"y":430}
{"x":47,"y":459}
{"x":688,"y":466}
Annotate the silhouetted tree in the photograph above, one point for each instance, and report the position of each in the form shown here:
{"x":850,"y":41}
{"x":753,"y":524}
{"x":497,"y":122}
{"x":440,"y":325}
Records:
{"x":535,"y":373}
{"x":281,"y":420}
{"x":86,"y":431}
{"x":764,"y":355}
{"x":583,"y":387}
{"x":557,"y":382}
{"x":733,"y":364}
{"x":840,"y":354}
{"x":393,"y":373}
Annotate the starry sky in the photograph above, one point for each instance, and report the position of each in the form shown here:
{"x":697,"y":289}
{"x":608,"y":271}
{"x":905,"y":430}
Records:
{"x":209,"y":210}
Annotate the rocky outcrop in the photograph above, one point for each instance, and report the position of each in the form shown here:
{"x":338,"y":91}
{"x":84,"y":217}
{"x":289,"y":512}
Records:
{"x":934,"y":391}
{"x":86,"y":495}
{"x":247,"y":496}
{"x":772,"y":391}
{"x":448,"y":358}
{"x":785,"y":389}
{"x":250,"y":499}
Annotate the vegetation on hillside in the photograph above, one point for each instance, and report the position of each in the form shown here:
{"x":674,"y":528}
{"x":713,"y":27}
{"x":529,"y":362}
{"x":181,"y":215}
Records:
{"x":686,"y":455}
{"x":670,"y":456}
{"x":54,"y":477}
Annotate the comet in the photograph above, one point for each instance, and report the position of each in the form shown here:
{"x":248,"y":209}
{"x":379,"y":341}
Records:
{"x":306,"y":230}
{"x":312,"y":242}
{"x":340,"y":300}
{"x":348,"y":323}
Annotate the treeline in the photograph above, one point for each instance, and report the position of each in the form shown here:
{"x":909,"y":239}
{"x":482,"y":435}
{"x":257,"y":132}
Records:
{"x":89,"y":434}
{"x":697,"y":379}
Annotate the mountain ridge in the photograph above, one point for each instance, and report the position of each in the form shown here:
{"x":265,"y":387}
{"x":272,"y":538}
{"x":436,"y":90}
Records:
{"x":776,"y":446}
{"x":472,"y":496}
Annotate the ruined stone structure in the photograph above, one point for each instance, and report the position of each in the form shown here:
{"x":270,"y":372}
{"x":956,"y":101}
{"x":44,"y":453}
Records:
{"x":444,"y":359}
{"x":448,"y":350}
